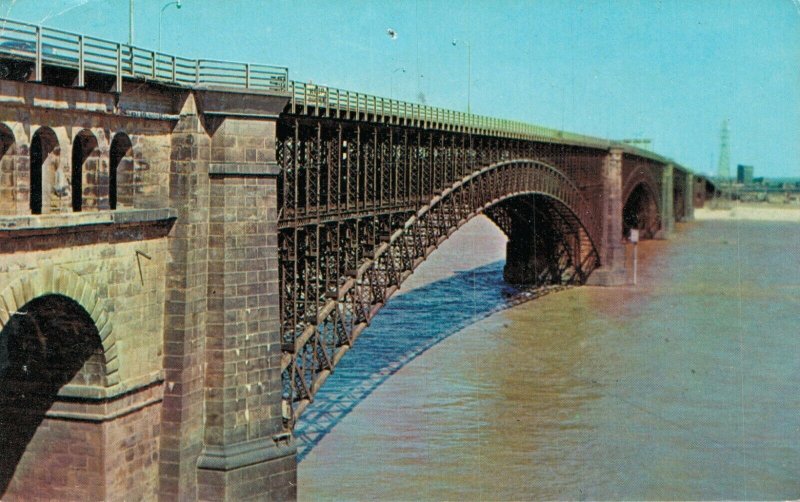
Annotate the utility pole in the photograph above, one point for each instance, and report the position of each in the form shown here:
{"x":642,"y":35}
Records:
{"x":130,"y":22}
{"x":634,"y":238}
{"x":724,"y":166}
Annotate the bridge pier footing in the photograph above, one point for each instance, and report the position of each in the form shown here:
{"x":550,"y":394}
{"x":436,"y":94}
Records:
{"x":612,"y":253}
{"x":257,"y":470}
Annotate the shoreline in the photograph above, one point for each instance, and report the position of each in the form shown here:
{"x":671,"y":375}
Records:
{"x":750,"y":213}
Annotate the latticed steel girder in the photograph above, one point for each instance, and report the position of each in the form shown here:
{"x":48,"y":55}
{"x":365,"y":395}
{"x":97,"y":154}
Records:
{"x":361,"y":206}
{"x":573,"y":254}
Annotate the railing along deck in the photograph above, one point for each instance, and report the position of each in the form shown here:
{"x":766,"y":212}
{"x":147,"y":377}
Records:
{"x":323,"y":101}
{"x":40,"y":45}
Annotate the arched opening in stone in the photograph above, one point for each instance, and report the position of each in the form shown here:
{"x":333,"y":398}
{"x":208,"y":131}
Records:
{"x":7,"y":179}
{"x":49,"y":342}
{"x":48,"y":182}
{"x":546,"y":245}
{"x":121,"y":183}
{"x":640,"y":212}
{"x":84,"y":170}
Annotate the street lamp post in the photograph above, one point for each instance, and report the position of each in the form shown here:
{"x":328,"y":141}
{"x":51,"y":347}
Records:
{"x":130,"y":22}
{"x":469,"y":71}
{"x":176,"y":3}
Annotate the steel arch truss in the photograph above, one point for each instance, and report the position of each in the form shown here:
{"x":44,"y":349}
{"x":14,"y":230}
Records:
{"x":564,"y":243}
{"x":339,"y":268}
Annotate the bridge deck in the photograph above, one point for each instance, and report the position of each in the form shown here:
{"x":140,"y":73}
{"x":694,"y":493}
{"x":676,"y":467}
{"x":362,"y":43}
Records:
{"x":39,"y":46}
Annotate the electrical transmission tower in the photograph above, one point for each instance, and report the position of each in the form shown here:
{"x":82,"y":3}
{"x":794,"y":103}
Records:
{"x":724,"y":167}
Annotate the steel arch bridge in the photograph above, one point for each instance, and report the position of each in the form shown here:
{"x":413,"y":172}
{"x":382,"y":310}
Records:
{"x":269,"y":221}
{"x":361,"y":205}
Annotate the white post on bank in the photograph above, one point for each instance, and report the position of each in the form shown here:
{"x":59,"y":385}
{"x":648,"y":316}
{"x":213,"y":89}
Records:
{"x":635,"y":241}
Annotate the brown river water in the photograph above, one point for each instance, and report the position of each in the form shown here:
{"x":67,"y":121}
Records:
{"x":682,"y":387}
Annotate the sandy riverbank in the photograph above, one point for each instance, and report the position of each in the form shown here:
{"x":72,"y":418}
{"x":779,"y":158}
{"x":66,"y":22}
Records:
{"x":749,"y":212}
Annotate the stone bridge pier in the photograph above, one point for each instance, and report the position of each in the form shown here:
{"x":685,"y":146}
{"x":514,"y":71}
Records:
{"x":531,"y":250}
{"x":223,"y":428}
{"x":638,"y":193}
{"x":611,"y":250}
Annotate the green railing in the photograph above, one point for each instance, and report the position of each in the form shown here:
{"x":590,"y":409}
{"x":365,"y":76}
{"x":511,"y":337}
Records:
{"x":320,"y":100}
{"x":313,"y":99}
{"x":37,"y":45}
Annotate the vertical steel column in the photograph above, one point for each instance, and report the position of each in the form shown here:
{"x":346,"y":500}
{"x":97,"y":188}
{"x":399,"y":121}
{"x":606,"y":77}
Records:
{"x":339,"y":180}
{"x":296,"y":167}
{"x":360,"y":172}
{"x":375,"y":187}
{"x":316,"y":164}
{"x":407,"y":159}
{"x":397,"y":162}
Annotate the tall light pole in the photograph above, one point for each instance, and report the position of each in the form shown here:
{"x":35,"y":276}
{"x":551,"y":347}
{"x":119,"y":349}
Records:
{"x":130,"y":22}
{"x":469,"y":70}
{"x":176,"y":3}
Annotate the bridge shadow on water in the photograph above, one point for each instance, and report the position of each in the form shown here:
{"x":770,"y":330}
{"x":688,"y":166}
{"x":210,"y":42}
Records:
{"x":410,"y":324}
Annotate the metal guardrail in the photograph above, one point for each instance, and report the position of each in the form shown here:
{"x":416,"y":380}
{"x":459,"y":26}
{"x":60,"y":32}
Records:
{"x":39,"y":45}
{"x":313,"y":99}
{"x":324,"y":101}
{"x":24,"y":42}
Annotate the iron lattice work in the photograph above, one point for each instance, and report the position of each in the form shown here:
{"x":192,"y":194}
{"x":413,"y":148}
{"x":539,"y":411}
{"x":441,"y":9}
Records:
{"x":362,"y":205}
{"x":568,"y":249}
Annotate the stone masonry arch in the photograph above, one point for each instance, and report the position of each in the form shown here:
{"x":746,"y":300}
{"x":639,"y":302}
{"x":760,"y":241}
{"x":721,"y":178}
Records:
{"x":641,"y":193}
{"x":48,"y":179}
{"x":641,"y":176}
{"x":88,"y":183}
{"x":640,"y":211}
{"x":59,"y":281}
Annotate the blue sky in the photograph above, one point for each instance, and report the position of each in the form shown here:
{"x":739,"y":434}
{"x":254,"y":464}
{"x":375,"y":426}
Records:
{"x":669,"y":70}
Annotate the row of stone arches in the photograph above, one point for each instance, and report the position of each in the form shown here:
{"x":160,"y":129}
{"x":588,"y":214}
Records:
{"x":96,"y":177}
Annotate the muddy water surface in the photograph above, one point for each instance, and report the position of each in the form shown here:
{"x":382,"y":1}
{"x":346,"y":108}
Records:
{"x":684,"y":387}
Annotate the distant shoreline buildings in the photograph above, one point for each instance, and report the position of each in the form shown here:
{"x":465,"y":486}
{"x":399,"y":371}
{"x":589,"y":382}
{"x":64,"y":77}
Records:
{"x":744,"y":174}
